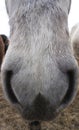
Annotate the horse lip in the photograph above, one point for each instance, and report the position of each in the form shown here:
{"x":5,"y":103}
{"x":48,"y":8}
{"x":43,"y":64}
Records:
{"x":30,"y":114}
{"x":41,"y":118}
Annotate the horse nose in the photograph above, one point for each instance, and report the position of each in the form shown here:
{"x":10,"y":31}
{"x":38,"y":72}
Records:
{"x":40,"y":100}
{"x":69,"y":69}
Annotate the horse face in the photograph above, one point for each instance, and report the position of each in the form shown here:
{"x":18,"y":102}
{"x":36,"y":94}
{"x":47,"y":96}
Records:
{"x":39,"y":72}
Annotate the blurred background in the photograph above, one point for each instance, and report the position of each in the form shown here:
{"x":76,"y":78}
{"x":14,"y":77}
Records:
{"x":4,"y":21}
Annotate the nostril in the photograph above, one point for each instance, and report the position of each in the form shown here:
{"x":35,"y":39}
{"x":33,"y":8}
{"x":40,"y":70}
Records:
{"x":72,"y":89}
{"x":8,"y":88}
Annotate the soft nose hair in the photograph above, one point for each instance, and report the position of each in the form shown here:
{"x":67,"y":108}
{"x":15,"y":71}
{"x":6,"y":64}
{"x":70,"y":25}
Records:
{"x":67,"y":63}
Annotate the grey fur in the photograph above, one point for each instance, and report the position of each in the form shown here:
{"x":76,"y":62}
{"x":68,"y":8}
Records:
{"x":39,"y":72}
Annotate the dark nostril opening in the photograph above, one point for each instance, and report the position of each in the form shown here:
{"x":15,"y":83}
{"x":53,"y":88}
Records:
{"x":8,"y":87}
{"x":72,"y":89}
{"x":35,"y":125}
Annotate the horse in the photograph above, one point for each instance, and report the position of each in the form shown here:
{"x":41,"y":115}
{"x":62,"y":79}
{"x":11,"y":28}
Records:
{"x":74,"y":35}
{"x":39,"y":72}
{"x":4,"y":42}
